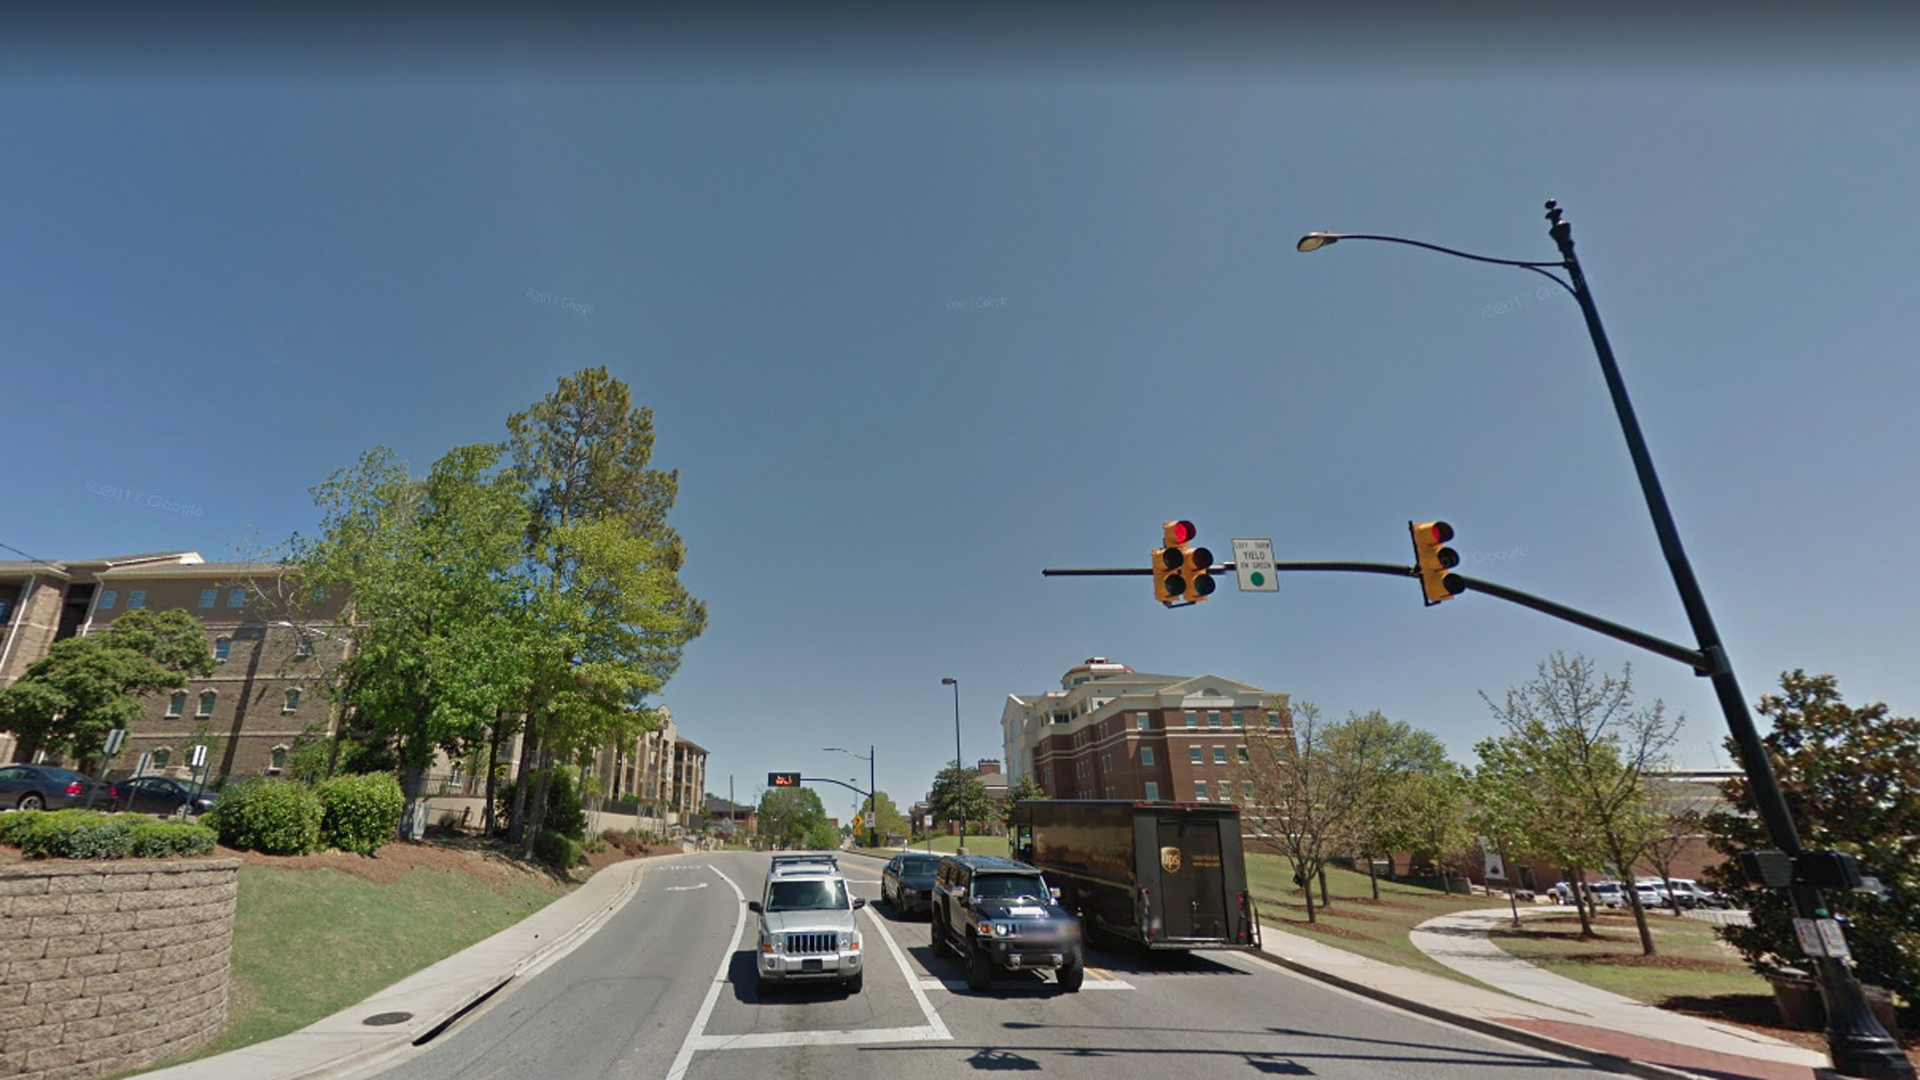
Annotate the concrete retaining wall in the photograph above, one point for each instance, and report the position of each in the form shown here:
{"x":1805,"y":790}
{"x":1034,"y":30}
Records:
{"x":110,"y":966}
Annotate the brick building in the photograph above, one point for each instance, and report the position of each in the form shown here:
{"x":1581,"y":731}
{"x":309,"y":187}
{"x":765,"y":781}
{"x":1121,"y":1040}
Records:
{"x":263,"y":692}
{"x":1111,"y":732}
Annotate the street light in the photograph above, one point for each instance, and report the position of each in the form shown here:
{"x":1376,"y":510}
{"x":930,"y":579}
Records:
{"x":958,"y":768}
{"x":872,"y":802}
{"x":1856,"y":1042}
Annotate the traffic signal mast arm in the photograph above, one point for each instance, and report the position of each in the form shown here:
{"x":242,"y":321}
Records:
{"x":1693,"y":658}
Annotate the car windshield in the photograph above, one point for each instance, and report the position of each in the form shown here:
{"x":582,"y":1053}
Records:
{"x":809,"y":895}
{"x":920,"y":867}
{"x":1007,"y":887}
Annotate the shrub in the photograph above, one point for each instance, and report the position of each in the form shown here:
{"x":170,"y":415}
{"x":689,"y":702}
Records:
{"x":277,"y":817}
{"x":556,"y":850}
{"x":564,"y":814}
{"x":77,"y":834}
{"x":360,"y":813}
{"x":16,"y":824}
{"x":165,"y":839}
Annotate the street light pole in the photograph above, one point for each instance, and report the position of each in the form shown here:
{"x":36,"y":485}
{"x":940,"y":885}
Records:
{"x":959,"y":769}
{"x":872,"y":791}
{"x":1856,"y":1042}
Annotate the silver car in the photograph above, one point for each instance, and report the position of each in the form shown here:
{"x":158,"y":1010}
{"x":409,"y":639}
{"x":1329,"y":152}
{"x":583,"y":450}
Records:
{"x":808,"y":932}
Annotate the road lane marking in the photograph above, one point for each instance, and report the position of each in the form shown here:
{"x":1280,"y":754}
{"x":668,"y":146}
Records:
{"x":685,"y":1056}
{"x":684,"y":888}
{"x":934,"y":1022}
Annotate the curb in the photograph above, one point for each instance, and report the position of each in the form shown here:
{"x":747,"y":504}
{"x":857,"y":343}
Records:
{"x":1598,"y":1058}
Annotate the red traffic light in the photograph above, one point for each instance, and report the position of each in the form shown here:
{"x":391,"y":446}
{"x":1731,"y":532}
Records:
{"x":1439,"y":532}
{"x":1179,"y":532}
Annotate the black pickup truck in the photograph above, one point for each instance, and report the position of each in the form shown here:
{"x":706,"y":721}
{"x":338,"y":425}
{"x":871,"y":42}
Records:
{"x":996,"y":913}
{"x":1158,"y":875}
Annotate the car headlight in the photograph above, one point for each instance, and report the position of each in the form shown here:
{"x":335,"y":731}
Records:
{"x":1001,"y":929}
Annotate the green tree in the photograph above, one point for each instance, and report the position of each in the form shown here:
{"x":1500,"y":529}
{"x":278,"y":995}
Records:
{"x":67,"y":701}
{"x":1027,"y":788}
{"x":1579,"y":739}
{"x":1375,"y":757}
{"x":887,"y":819}
{"x":960,"y":795}
{"x":1438,"y":819}
{"x":1851,"y":777}
{"x":440,"y":638}
{"x":787,"y":815}
{"x":1305,"y":798}
{"x":611,"y":614}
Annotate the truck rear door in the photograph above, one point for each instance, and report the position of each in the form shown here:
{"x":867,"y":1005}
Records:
{"x":1192,"y":903}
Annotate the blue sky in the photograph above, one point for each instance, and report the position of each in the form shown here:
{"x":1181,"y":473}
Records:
{"x":226,"y":278}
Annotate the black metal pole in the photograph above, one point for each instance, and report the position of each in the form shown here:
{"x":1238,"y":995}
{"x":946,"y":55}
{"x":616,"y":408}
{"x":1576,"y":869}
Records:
{"x":873,"y":799}
{"x":958,"y":768}
{"x":1857,"y":1043}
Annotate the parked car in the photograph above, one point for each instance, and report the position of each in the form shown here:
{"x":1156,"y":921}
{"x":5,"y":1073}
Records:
{"x":47,"y":787}
{"x":160,"y":795}
{"x":1607,"y":894}
{"x":808,"y":932}
{"x":1689,"y":894}
{"x":907,"y":882}
{"x":1561,"y":893}
{"x":1652,"y":895}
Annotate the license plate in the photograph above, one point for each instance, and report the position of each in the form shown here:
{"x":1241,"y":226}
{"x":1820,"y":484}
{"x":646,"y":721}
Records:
{"x":809,"y":965}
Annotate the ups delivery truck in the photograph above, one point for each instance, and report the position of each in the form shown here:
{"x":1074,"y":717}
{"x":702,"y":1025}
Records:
{"x":1160,"y":875}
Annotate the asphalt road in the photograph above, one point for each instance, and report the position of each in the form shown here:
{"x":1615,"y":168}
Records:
{"x":641,"y":1000}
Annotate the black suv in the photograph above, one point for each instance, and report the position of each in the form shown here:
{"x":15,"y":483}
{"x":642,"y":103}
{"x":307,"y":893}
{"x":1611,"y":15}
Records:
{"x":994,"y":912}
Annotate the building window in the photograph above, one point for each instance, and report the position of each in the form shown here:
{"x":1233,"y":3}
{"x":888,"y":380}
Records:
{"x":208,"y":596}
{"x":108,"y":599}
{"x":1246,"y":790}
{"x":1238,"y":719}
{"x":6,"y":608}
{"x":278,"y":759}
{"x":1242,"y":751}
{"x":1152,"y":791}
{"x":1193,"y":720}
{"x":1199,"y":791}
{"x":1193,"y":755}
{"x":1146,"y":755}
{"x":1219,"y":755}
{"x":1106,"y":762}
{"x":1143,"y":722}
{"x":177,"y":704}
{"x":1273,"y":719}
{"x":1213,"y":719}
{"x":237,"y":598}
{"x":305,"y":648}
{"x":221,"y":648}
{"x":161,"y":755}
{"x":136,"y":599}
{"x":293,"y":701}
{"x":206,"y":704}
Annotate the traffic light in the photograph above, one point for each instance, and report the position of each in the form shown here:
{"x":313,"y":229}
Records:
{"x":1180,"y":569}
{"x":1170,"y":562}
{"x":1435,"y":559}
{"x":1199,"y":585}
{"x":783,"y":779}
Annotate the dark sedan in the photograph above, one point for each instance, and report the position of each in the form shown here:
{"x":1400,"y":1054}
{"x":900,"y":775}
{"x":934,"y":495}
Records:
{"x":46,"y":787}
{"x":907,"y":882}
{"x":160,"y":795}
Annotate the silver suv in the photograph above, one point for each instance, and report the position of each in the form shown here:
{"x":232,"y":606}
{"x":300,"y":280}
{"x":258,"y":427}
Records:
{"x":808,"y":932}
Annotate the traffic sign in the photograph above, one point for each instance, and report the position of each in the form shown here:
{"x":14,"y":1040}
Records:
{"x":783,"y":779}
{"x":1253,"y":561}
{"x":199,"y":756}
{"x":869,"y":819}
{"x":115,"y":740}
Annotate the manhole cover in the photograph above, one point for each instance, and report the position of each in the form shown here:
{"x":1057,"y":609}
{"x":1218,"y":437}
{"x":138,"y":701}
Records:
{"x":383,"y":1019}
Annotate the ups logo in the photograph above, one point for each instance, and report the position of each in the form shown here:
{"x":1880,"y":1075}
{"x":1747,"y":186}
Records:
{"x":1170,"y":859}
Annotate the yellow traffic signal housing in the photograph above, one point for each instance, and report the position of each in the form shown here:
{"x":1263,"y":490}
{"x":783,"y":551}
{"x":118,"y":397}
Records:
{"x":1435,"y":559}
{"x":1170,"y":561}
{"x":1199,"y":585}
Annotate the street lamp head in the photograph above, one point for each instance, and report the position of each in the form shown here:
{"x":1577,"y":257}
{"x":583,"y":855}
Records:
{"x":1314,"y":241}
{"x":949,"y":682}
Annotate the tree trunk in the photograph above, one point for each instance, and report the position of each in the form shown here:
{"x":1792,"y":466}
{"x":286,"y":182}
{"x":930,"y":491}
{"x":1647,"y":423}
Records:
{"x":1672,"y":901}
{"x":1639,"y":915}
{"x":523,"y":776}
{"x":1581,"y":901}
{"x":1325,"y":901}
{"x":1372,"y":878}
{"x":1306,"y":887}
{"x":487,"y":822}
{"x":412,"y":779}
{"x":537,"y":813}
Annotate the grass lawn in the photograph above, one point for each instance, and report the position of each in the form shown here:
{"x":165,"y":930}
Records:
{"x":1356,"y":922}
{"x":976,"y":845}
{"x":310,"y":942}
{"x":1691,"y":961}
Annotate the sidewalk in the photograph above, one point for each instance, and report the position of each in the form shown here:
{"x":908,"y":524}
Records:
{"x":427,"y":1000}
{"x":1581,"y":1022}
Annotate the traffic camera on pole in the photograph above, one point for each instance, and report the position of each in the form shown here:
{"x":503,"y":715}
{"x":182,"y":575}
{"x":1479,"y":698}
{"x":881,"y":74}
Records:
{"x":1435,"y":560}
